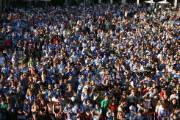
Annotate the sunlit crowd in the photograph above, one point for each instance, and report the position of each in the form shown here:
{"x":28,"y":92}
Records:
{"x":104,"y":62}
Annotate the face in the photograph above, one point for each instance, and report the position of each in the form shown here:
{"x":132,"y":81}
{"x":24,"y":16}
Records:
{"x":133,"y":92}
{"x":69,"y":87}
{"x":174,"y":101}
{"x":97,"y":106}
{"x":106,"y":97}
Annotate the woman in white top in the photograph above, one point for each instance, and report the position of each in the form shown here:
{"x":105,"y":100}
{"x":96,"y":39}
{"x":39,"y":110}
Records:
{"x":97,"y":112}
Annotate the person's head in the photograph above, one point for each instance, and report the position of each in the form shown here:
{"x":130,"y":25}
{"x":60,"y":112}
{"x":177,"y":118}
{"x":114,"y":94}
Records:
{"x":174,"y":101}
{"x":97,"y":106}
{"x":49,"y":87}
{"x":88,"y":102}
{"x":133,"y":92}
{"x":145,"y":85}
{"x":124,"y":93}
{"x":106,"y":97}
{"x":154,"y":85}
{"x":112,"y":103}
{"x":88,"y":111}
{"x":69,"y":104}
{"x":85,"y":91}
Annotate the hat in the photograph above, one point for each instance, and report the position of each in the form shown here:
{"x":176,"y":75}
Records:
{"x":106,"y":94}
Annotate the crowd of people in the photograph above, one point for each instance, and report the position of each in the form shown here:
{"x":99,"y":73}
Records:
{"x":104,"y":62}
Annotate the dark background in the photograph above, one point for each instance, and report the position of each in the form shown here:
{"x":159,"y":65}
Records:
{"x":21,"y":3}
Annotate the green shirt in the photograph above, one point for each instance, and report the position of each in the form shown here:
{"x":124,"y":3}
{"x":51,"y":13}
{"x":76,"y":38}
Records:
{"x":104,"y":105}
{"x":3,"y":106}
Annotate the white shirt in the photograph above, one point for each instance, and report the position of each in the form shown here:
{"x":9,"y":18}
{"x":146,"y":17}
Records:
{"x":173,"y":96}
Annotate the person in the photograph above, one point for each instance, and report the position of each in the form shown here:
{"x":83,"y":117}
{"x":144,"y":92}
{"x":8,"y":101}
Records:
{"x":110,"y":114}
{"x":57,"y":110}
{"x":120,"y":113}
{"x":105,"y":103}
{"x":26,"y":109}
{"x":34,"y":110}
{"x":97,"y":112}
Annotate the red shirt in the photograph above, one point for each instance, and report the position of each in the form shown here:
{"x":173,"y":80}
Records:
{"x":7,"y":42}
{"x":113,"y":107}
{"x":162,"y":93}
{"x":145,"y":90}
